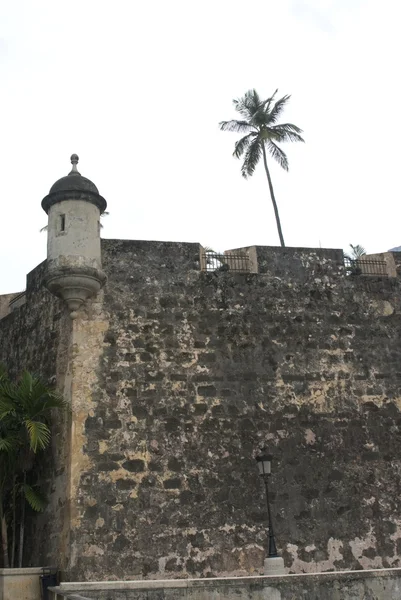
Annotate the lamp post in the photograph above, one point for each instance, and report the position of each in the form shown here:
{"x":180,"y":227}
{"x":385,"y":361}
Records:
{"x":274,"y":564}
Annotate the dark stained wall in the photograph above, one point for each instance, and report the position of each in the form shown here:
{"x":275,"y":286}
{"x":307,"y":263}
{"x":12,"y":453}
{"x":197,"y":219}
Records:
{"x":199,"y":371}
{"x":35,"y":337}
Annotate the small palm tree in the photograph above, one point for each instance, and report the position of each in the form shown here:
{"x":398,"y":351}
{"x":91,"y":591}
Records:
{"x":25,"y":410}
{"x":356,"y":252}
{"x":259,"y":122}
{"x":8,"y":453}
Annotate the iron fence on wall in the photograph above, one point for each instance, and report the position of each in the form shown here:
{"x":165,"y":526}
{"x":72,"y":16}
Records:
{"x":235,"y":263}
{"x":366,"y":266}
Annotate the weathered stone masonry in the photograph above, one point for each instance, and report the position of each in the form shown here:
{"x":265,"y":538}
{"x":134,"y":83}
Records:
{"x":36,"y":337}
{"x":177,"y":378}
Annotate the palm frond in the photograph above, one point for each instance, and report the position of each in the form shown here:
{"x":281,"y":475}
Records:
{"x":287,"y":132}
{"x":49,"y":401}
{"x":265,"y":105}
{"x":357,"y":251}
{"x":251,"y":159}
{"x":34,"y":397}
{"x":38,"y":433}
{"x":7,"y":406}
{"x":278,"y":154}
{"x":259,"y":119}
{"x":9,"y":443}
{"x":278,"y":108}
{"x":5,"y":445}
{"x":240,"y":107}
{"x":242,"y":144}
{"x":35,"y":500}
{"x":252,"y":99}
{"x":236,"y":126}
{"x":3,"y":373}
{"x":248,"y":105}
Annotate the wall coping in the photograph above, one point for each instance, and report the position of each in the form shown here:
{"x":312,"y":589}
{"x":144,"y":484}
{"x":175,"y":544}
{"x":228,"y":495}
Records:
{"x":17,"y":572}
{"x":228,"y":581}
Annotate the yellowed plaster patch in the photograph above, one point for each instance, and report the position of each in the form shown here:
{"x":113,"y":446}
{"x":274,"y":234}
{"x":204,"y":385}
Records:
{"x":103,"y":446}
{"x":92,"y":550}
{"x":358,"y":545}
{"x":298,"y":565}
{"x":310,"y":437}
{"x":383,"y":308}
{"x":87,"y":347}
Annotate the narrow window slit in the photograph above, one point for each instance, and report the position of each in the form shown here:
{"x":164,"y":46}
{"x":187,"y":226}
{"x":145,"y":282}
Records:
{"x":62,"y":222}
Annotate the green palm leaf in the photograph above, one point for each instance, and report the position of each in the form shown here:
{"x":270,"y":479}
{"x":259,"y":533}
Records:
{"x":278,"y":108}
{"x":3,"y":373}
{"x":252,"y":156}
{"x":35,"y":500}
{"x":236,"y":126}
{"x":243,"y":144}
{"x":278,"y":154}
{"x":30,"y":396}
{"x":357,"y":251}
{"x":26,"y":407}
{"x":248,"y":105}
{"x":9,"y":443}
{"x":38,"y":433}
{"x":265,"y":105}
{"x":287,"y":132}
{"x":7,"y":406}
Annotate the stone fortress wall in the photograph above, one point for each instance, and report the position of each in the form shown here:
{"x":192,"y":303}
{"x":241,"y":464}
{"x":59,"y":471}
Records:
{"x":177,"y":378}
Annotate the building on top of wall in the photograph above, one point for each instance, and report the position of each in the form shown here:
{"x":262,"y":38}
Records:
{"x":180,"y":366}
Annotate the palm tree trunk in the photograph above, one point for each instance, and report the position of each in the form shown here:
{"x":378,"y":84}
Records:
{"x":14,"y":523}
{"x":22,"y":524}
{"x":4,"y":541}
{"x":280,"y":233}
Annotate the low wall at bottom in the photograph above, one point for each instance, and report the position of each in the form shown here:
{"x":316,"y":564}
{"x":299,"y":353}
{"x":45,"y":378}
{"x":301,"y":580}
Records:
{"x":20,"y":584}
{"x":381,"y":584}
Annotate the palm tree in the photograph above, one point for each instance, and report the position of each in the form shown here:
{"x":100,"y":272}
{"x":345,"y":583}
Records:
{"x":356,"y":252}
{"x":259,"y":123}
{"x":8,"y":453}
{"x":25,"y":410}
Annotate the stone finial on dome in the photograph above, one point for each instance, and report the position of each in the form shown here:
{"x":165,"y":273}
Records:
{"x":72,"y":184}
{"x":74,"y":161}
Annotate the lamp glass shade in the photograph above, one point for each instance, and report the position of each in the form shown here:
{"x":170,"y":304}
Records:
{"x":264,"y":464}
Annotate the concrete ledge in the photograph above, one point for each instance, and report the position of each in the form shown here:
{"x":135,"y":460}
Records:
{"x":377,"y":584}
{"x":22,"y":571}
{"x":141,"y":584}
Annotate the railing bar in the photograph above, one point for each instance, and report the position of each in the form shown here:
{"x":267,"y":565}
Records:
{"x":237,"y":263}
{"x":365,"y":267}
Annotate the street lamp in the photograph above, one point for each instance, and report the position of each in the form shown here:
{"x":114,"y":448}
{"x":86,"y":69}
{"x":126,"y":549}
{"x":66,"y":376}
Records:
{"x":274,"y":564}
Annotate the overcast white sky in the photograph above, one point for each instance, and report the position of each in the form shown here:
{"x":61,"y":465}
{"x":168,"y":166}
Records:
{"x":137,"y":88}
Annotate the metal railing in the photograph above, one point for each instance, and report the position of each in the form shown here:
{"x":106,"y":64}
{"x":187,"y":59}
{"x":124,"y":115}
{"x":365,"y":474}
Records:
{"x":56,"y":594}
{"x":17,"y":301}
{"x":235,"y":263}
{"x":366,"y":266}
